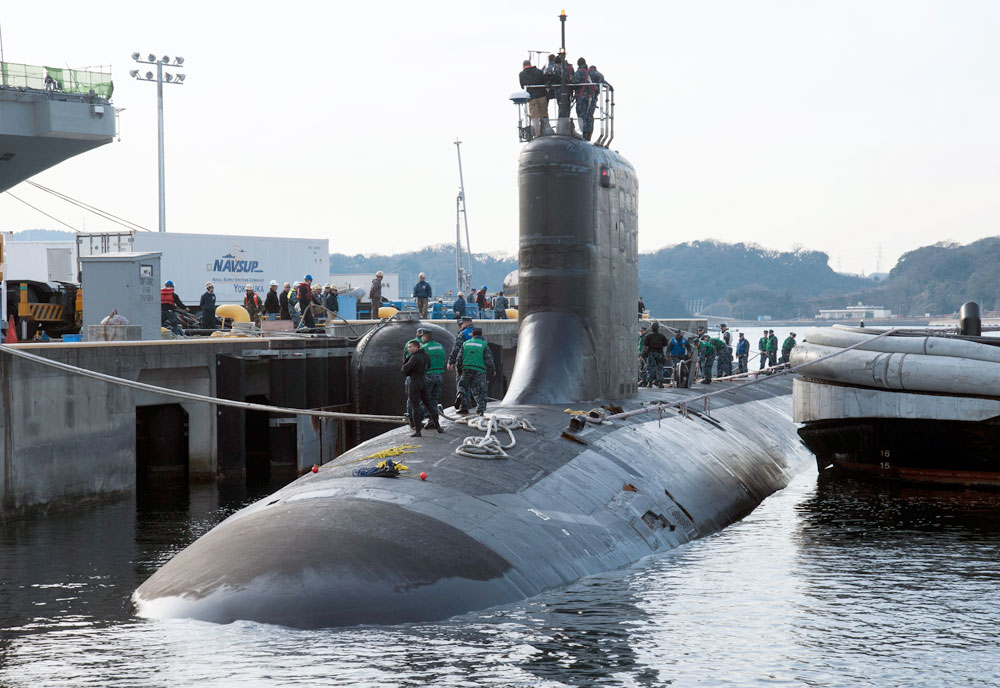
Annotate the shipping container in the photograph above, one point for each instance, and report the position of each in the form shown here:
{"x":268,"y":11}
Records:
{"x":229,"y":262}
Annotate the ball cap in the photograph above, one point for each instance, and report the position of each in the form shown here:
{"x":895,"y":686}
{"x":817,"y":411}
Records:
{"x":421,"y":331}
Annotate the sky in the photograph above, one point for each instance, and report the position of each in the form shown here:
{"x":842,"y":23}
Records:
{"x":860,"y":128}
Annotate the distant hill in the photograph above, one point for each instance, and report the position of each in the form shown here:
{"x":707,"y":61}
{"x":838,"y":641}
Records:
{"x":938,"y":279}
{"x":740,"y":280}
{"x":437,"y":262}
{"x":43,"y":235}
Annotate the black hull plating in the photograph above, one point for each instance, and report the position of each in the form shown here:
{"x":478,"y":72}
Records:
{"x":920,"y":450}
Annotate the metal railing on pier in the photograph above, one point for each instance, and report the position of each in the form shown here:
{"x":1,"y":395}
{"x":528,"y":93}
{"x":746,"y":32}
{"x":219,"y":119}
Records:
{"x":56,"y":79}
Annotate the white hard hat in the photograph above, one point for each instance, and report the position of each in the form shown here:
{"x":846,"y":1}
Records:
{"x":296,"y":283}
{"x":208,"y":284}
{"x":379,"y":274}
{"x":422,"y":275}
{"x":274,"y":283}
{"x":249,"y":287}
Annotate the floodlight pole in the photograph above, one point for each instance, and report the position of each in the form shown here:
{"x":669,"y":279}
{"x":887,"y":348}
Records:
{"x":159,"y":62}
{"x":159,"y":113}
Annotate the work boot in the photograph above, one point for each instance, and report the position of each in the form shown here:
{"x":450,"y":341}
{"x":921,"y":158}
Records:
{"x":463,"y":411}
{"x":644,"y":384}
{"x":660,"y":385}
{"x":706,"y":381}
{"x":437,"y":424}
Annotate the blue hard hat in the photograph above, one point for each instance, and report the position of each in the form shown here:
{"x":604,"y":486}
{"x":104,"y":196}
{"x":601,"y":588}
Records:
{"x":168,"y":283}
{"x":484,"y":286}
{"x":308,"y":278}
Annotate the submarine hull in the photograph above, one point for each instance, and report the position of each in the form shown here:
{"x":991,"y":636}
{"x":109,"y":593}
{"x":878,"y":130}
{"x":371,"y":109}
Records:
{"x":331,"y":549}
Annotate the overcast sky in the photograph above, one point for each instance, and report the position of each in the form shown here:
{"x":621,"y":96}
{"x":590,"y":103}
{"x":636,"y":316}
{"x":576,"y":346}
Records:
{"x":840,"y":126}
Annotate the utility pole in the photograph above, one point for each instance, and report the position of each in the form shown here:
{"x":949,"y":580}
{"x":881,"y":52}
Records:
{"x":462,"y":213}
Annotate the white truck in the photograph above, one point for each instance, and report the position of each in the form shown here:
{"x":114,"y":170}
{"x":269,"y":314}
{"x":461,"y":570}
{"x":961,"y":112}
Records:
{"x":229,"y":262}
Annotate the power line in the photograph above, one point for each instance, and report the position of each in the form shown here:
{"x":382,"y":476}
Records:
{"x":43,"y":212}
{"x":128,"y":224}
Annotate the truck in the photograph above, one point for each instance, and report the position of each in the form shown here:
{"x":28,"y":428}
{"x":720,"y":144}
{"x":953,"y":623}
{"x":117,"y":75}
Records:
{"x":229,"y":262}
{"x":39,"y":292}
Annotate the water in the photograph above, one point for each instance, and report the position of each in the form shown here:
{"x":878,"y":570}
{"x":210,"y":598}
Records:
{"x":824,"y":585}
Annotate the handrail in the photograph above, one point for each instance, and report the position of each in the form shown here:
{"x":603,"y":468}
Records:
{"x":56,"y":79}
{"x":604,"y":113}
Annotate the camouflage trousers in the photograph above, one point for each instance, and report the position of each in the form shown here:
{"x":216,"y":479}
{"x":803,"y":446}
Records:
{"x":654,"y":367}
{"x":707,"y":361}
{"x":473,"y":387}
{"x":434,"y":383}
{"x":585,"y":117}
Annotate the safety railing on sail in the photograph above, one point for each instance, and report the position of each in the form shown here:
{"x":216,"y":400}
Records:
{"x":56,"y":79}
{"x":599,"y":119}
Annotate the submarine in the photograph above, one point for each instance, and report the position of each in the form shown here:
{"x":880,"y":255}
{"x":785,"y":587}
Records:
{"x":559,"y":498}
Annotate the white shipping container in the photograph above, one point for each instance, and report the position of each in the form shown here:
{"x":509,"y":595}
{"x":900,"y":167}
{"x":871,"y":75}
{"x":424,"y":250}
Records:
{"x":229,"y":262}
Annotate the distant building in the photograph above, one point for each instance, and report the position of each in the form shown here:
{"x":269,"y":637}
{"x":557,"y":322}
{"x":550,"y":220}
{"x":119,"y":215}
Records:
{"x":859,"y":312}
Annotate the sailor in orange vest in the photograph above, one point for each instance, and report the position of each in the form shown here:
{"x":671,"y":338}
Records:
{"x":170,"y":303}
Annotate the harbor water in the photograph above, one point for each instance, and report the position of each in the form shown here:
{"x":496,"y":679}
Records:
{"x":825,"y":584}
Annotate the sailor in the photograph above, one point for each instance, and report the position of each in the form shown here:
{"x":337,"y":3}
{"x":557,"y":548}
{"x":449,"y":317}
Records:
{"x":652,"y":349}
{"x":465,"y":331}
{"x":707,"y":351}
{"x":643,"y":331}
{"x":562,"y":68}
{"x":415,"y":369}
{"x":772,"y":349}
{"x":642,"y":307}
{"x":787,"y":346}
{"x":406,"y":380}
{"x":551,"y":78}
{"x":208,"y":307}
{"x":678,"y":349}
{"x":252,"y":303}
{"x":272,"y":304}
{"x":304,"y":294}
{"x":422,"y":293}
{"x":459,"y":306}
{"x":170,"y":303}
{"x":720,"y":352}
{"x":500,"y":306}
{"x":533,"y":79}
{"x":726,"y":357}
{"x":481,"y":300}
{"x":476,"y":360}
{"x":375,"y":294}
{"x":597,"y":78}
{"x":762,"y":348}
{"x":584,"y":93}
{"x":286,"y":291}
{"x":332,"y":303}
{"x":434,"y":377}
{"x":742,"y":353}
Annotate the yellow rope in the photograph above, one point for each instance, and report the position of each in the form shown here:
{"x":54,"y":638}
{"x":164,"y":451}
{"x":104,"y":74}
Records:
{"x":398,"y":450}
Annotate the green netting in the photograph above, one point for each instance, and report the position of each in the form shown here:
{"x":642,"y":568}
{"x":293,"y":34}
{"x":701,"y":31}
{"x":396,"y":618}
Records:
{"x":15,"y":75}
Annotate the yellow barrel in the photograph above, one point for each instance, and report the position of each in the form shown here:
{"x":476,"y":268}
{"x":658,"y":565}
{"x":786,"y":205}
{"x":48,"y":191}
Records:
{"x":387,"y":312}
{"x":511,"y":313}
{"x":231,"y":311}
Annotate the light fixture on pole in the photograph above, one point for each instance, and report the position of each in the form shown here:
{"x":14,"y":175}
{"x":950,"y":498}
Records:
{"x":160,"y":79}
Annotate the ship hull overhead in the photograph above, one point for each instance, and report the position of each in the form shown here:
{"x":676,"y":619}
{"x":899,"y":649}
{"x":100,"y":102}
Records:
{"x":39,"y":131}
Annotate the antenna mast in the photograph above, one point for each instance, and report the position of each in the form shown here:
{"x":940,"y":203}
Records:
{"x":461,"y":214}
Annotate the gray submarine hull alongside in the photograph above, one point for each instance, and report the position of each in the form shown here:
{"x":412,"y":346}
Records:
{"x":331,"y":549}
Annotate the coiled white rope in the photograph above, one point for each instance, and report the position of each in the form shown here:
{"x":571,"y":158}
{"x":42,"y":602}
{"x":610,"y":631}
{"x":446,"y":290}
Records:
{"x":488,"y":446}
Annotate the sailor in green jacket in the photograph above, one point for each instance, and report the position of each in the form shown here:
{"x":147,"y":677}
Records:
{"x":772,"y":349}
{"x":707,"y":351}
{"x":762,"y":348}
{"x":476,"y":360}
{"x":434,"y":378}
{"x":787,"y":346}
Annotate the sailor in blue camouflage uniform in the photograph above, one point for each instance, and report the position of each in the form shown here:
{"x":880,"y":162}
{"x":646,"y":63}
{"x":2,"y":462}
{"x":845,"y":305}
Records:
{"x":477,"y":359}
{"x":597,"y":78}
{"x":584,"y":94}
{"x":464,"y":334}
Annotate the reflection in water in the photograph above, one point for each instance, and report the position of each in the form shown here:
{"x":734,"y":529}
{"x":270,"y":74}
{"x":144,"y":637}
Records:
{"x":826,"y":584}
